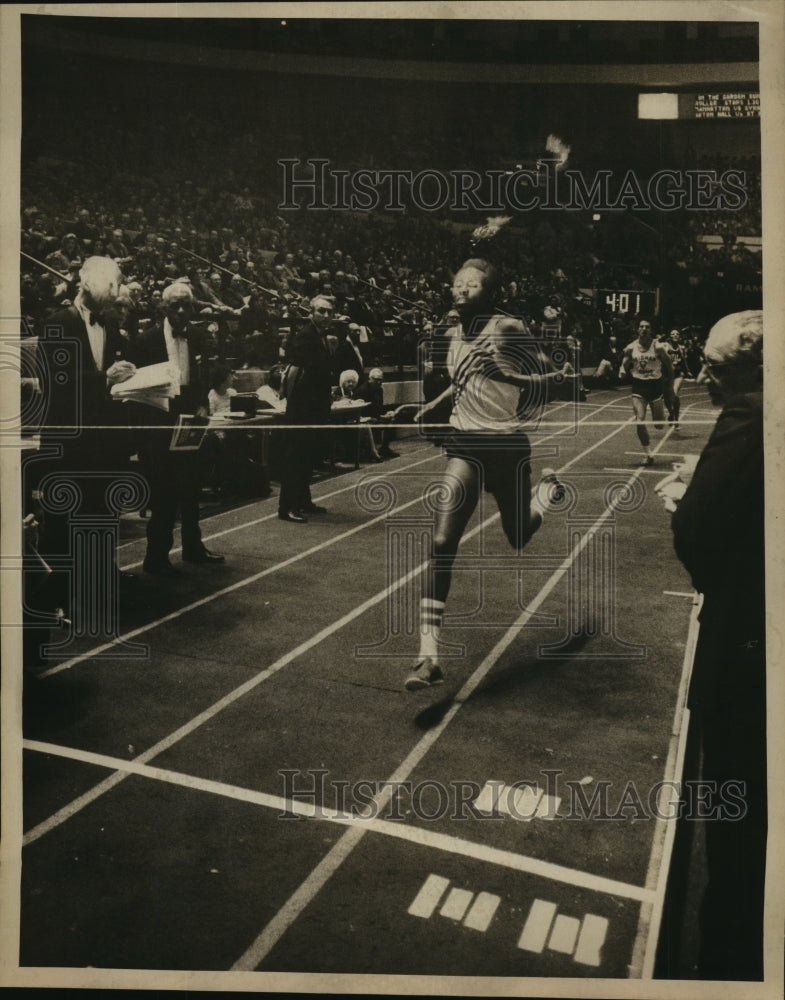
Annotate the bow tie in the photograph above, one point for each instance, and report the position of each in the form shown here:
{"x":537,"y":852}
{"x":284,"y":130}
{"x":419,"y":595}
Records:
{"x":97,"y":319}
{"x":182,"y":335}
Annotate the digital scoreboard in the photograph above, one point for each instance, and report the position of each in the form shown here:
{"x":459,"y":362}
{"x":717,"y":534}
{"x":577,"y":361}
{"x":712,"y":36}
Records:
{"x":742,"y":104}
{"x":633,"y":302}
{"x":708,"y":106}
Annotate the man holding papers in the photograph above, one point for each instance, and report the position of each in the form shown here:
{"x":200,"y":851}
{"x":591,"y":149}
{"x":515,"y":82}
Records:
{"x":172,"y":470}
{"x":85,"y":443}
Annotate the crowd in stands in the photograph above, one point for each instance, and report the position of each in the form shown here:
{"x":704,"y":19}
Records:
{"x":253,"y":268}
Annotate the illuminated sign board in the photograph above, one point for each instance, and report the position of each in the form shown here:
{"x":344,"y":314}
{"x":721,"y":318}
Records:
{"x":712,"y":106}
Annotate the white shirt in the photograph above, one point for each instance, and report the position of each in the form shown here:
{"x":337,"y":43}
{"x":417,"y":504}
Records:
{"x":646,"y":361}
{"x":481,"y":403}
{"x":220,"y":403}
{"x":95,"y":333}
{"x":177,"y":352}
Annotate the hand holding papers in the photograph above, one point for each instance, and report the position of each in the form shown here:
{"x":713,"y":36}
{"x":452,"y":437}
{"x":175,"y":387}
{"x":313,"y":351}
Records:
{"x":154,"y":385}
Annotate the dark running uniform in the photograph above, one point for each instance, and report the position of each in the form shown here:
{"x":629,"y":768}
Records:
{"x":676,"y":353}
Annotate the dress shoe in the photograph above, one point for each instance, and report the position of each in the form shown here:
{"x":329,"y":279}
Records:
{"x":314,"y":508}
{"x":127,"y":578}
{"x":160,"y":569}
{"x":205,"y":556}
{"x":295,"y":516}
{"x":388,"y":453}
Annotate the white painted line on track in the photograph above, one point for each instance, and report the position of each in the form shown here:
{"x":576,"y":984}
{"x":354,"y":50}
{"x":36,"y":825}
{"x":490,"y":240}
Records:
{"x":312,"y":885}
{"x":393,"y":467}
{"x":645,"y":946}
{"x":274,"y":514}
{"x":263,"y":500}
{"x":662,"y":454}
{"x":247,"y":581}
{"x":680,"y":593}
{"x":240,"y":584}
{"x":108,"y":783}
{"x":648,"y":470}
{"x":429,"y":896}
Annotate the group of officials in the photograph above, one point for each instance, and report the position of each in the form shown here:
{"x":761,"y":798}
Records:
{"x":88,"y":438}
{"x":718,"y":529}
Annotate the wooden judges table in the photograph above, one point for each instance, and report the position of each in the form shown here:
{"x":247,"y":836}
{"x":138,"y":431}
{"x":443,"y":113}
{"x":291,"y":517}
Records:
{"x":343,"y":412}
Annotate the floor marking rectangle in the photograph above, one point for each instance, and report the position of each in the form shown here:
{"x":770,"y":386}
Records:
{"x":427,"y":899}
{"x":548,"y":807}
{"x":456,"y":904}
{"x":401,"y":831}
{"x":313,"y":884}
{"x":591,"y":940}
{"x":482,"y":912}
{"x":488,"y":799}
{"x":526,"y":802}
{"x":564,"y":933}
{"x":538,"y":923}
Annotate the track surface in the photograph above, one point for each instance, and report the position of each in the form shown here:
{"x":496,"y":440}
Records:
{"x":201,"y":807}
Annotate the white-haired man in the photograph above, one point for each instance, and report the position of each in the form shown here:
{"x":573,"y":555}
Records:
{"x":718,"y":531}
{"x":174,"y":475}
{"x":82,"y":355}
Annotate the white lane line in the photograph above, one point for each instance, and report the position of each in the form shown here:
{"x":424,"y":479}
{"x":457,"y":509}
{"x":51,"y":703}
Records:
{"x":307,"y":891}
{"x":403,"y":467}
{"x":662,"y":454}
{"x":644,"y":470}
{"x":680,"y":593}
{"x":247,"y":581}
{"x":274,"y":514}
{"x":645,"y":946}
{"x":431,"y":892}
{"x":238,"y":585}
{"x":92,"y":794}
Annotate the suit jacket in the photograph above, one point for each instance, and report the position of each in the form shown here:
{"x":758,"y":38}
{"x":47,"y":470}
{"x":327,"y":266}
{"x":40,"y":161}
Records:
{"x":76,"y":392}
{"x":149,"y":348}
{"x":718,"y":534}
{"x":308,"y":395}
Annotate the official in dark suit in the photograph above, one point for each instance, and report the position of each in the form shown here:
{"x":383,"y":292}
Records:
{"x":84,"y":435}
{"x":307,"y":389}
{"x":173,"y":475}
{"x":718,"y":531}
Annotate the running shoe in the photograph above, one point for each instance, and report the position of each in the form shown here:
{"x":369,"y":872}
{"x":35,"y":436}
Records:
{"x":425,"y":674}
{"x":649,"y":460}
